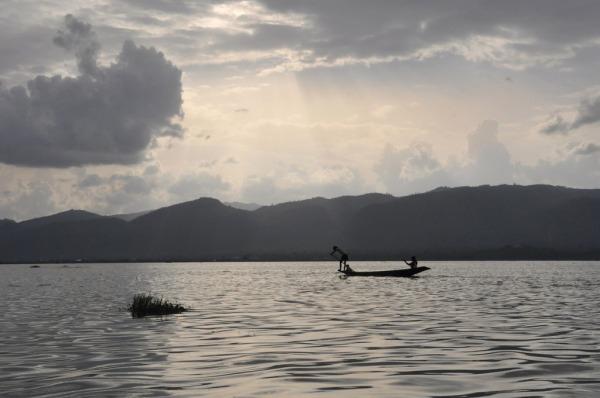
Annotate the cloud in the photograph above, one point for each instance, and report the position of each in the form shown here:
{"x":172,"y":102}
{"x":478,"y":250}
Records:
{"x":151,"y":170}
{"x":558,"y":125}
{"x":588,"y":112}
{"x":489,"y":160}
{"x":165,"y":6}
{"x":106,"y":115}
{"x":132,"y":184}
{"x":116,"y":193}
{"x":398,"y":165}
{"x":81,"y":39}
{"x":383,"y":111}
{"x":587,"y":149}
{"x":273,"y":35}
{"x":33,"y":199}
{"x":208,"y":164}
{"x":411,"y":169}
{"x":89,"y":181}
{"x":573,"y":170}
{"x":416,"y":169}
{"x":296,"y":183}
{"x":354,"y":32}
{"x":193,"y":186}
{"x":486,"y":161}
{"x":21,"y":47}
{"x":146,"y":188}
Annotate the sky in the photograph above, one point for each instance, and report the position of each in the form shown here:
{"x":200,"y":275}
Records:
{"x":119,"y":106}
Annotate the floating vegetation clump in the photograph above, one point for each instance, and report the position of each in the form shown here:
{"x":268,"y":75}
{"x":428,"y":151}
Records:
{"x":147,"y":304}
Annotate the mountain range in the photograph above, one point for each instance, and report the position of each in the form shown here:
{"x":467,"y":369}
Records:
{"x":485,"y":222}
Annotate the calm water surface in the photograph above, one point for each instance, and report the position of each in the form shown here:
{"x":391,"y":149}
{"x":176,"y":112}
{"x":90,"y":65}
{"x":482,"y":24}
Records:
{"x":470,"y":329}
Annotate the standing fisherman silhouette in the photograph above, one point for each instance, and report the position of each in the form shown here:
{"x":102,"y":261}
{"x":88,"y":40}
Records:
{"x":343,"y":257}
{"x":413,"y":262}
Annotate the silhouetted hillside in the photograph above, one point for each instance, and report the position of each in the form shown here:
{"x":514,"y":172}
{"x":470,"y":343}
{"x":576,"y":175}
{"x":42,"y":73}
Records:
{"x":7,"y":226}
{"x":101,"y":237}
{"x":468,"y":222}
{"x":66,"y":216}
{"x":302,"y":227}
{"x":471,"y":219}
{"x":203,"y":227}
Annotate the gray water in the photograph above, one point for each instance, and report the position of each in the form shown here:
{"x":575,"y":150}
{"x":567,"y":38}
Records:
{"x":468,"y":329}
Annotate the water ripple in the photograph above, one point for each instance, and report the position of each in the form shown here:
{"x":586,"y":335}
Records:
{"x":517,"y":329}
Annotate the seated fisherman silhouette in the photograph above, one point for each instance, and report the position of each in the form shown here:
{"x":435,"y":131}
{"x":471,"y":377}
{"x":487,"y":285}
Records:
{"x":413,"y":262}
{"x":343,"y":258}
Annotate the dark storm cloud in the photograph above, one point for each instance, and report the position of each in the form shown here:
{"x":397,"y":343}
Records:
{"x":106,"y":115}
{"x":588,"y":112}
{"x":361,"y":29}
{"x":510,"y":33}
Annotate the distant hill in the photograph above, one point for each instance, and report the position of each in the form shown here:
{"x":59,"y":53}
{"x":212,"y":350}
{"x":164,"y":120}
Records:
{"x":7,"y":226}
{"x":486,"y":222}
{"x":66,"y":216}
{"x":487,"y":218}
{"x":202,"y":227}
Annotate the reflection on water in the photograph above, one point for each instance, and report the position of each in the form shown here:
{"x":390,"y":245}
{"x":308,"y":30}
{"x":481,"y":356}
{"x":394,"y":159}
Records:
{"x":511,"y":329}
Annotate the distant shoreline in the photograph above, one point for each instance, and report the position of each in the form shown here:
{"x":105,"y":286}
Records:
{"x":485,"y":223}
{"x":582,"y":257}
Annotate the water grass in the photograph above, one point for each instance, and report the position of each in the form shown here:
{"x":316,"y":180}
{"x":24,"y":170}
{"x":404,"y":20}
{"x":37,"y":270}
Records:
{"x":146,"y":304}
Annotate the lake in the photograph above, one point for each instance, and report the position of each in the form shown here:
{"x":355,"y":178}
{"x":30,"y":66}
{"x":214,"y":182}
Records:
{"x":462,"y":329}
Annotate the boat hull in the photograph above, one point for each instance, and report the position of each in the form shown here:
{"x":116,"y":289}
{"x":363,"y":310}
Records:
{"x":408,"y":272}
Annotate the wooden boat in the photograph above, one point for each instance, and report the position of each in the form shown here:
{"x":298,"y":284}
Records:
{"x":406,"y":272}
